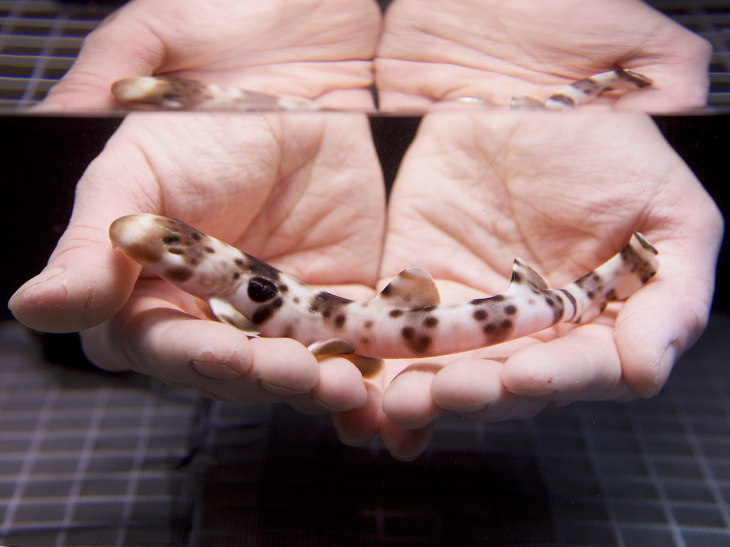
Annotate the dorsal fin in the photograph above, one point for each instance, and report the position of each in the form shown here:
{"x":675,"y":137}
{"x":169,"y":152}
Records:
{"x":412,"y":289}
{"x":524,"y":274}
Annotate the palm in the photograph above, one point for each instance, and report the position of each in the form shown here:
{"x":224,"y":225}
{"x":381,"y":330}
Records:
{"x":494,"y":50}
{"x":475,"y":192}
{"x":308,"y":49}
{"x":299,"y":191}
{"x":304,"y":193}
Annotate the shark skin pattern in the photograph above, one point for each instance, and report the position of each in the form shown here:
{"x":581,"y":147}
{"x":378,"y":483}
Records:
{"x":585,"y":90}
{"x":170,"y":93}
{"x":406,"y":320}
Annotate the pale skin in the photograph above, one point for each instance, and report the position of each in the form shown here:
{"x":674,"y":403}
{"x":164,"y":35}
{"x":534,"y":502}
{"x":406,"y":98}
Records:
{"x":299,"y":48}
{"x":282,"y":189}
{"x":434,"y":51}
{"x":481,"y":190}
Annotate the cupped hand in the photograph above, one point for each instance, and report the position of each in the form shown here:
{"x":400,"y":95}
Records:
{"x":434,"y":51}
{"x":302,"y":192}
{"x":320,"y":50}
{"x":564,"y":193}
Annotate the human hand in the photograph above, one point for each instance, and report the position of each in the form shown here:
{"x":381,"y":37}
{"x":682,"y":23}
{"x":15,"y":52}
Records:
{"x":564,"y":193}
{"x":301,"y":48}
{"x":302,"y":192}
{"x":434,"y":51}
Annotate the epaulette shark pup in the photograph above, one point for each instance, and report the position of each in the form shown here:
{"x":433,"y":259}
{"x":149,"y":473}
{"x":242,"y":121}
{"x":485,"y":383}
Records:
{"x":585,"y":90}
{"x":172,"y":93}
{"x":406,"y":320}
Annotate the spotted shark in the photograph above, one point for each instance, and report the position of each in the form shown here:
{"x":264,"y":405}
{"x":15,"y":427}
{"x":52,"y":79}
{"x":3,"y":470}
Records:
{"x":585,"y":90}
{"x":173,"y":93}
{"x":405,"y":320}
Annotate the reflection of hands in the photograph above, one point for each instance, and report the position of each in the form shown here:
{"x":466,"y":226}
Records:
{"x":490,"y":49}
{"x":564,"y":193}
{"x":303,"y":48}
{"x":303,"y":192}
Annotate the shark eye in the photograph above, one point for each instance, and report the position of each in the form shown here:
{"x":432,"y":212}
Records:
{"x":261,"y":289}
{"x":171,"y":240}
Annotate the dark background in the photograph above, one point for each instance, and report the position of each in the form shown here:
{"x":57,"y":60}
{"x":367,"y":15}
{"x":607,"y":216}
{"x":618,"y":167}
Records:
{"x":44,"y":157}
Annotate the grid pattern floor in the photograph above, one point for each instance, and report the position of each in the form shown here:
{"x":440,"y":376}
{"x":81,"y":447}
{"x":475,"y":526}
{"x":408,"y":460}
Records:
{"x":652,"y":473}
{"x":88,"y":458}
{"x":39,"y":40}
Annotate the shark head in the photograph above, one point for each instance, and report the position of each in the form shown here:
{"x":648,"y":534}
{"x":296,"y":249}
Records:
{"x":178,"y":253}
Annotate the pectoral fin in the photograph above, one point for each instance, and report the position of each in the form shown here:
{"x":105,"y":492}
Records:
{"x":336,"y":346}
{"x":224,"y":312}
{"x":368,"y":366}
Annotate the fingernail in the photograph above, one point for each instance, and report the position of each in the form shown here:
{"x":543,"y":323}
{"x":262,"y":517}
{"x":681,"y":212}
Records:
{"x":279,"y":390}
{"x":664,"y":366}
{"x":214,"y":371}
{"x":405,"y":458}
{"x":535,"y":392}
{"x":355,"y":443}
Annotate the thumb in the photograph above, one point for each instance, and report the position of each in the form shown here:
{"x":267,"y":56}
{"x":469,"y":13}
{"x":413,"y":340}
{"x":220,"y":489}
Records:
{"x":122,"y":46}
{"x":667,"y":316}
{"x":83,"y":285}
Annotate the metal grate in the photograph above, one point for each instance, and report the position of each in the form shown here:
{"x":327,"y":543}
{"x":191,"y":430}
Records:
{"x":39,"y":40}
{"x":87,"y":458}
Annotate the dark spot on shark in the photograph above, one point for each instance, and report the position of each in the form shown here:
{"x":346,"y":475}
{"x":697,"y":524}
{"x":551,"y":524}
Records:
{"x":266,"y":312}
{"x":430,"y":322}
{"x":327,"y":304}
{"x":179,"y":274}
{"x":418,"y":344}
{"x":258,"y":268}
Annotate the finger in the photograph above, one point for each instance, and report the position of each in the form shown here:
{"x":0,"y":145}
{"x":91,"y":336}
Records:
{"x":86,"y":281}
{"x":120,"y":47}
{"x":84,"y":284}
{"x":664,"y":319}
{"x":405,"y":444}
{"x":581,"y":365}
{"x":214,"y":358}
{"x":340,"y":388}
{"x":356,"y":427}
{"x":407,"y":401}
{"x":657,"y":325}
{"x":473,"y":388}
